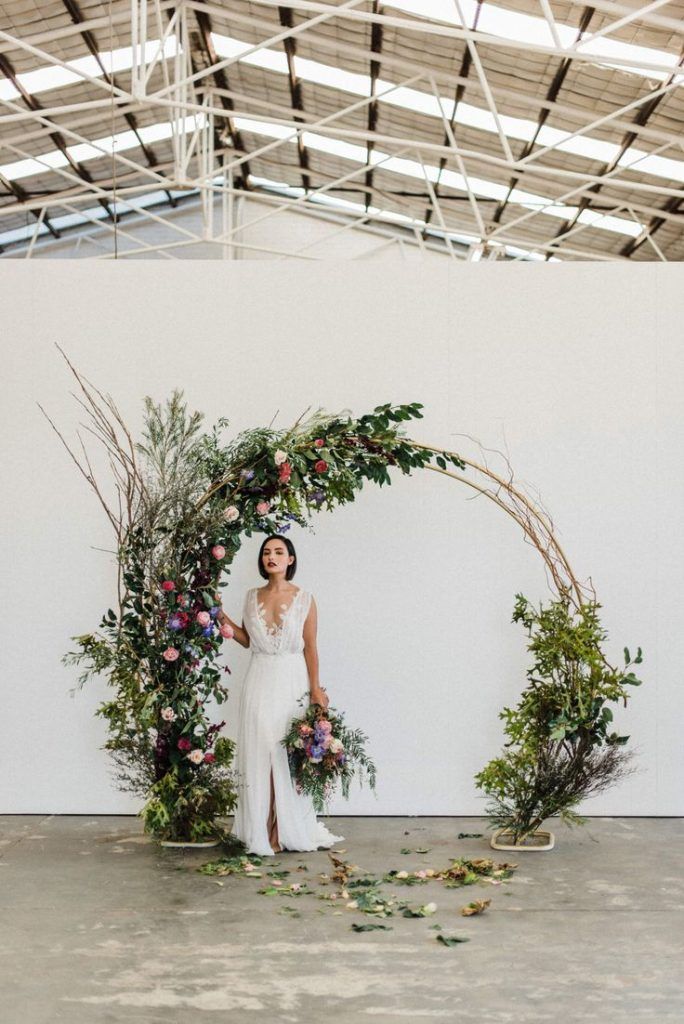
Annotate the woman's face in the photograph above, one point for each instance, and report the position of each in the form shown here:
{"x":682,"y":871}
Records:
{"x":275,"y":558}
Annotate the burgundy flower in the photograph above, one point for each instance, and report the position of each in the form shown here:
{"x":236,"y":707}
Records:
{"x":184,"y":744}
{"x":320,"y":466}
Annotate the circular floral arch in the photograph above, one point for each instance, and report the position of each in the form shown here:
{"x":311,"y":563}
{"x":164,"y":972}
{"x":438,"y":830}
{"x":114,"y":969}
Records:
{"x":183,"y":502}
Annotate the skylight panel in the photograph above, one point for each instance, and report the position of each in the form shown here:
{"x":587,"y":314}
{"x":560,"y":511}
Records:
{"x":481,"y":118}
{"x":450,"y":178}
{"x":54,"y":76}
{"x":526,"y":28}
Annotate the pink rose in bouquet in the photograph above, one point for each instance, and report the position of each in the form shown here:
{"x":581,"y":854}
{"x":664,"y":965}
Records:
{"x":263,"y":507}
{"x":218,"y":551}
{"x":226,"y":631}
{"x":204,"y":618}
{"x":168,"y":585}
{"x":170,"y":654}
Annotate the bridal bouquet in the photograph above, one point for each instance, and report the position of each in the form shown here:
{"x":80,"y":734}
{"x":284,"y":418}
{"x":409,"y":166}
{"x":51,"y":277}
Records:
{"x":322,"y":751}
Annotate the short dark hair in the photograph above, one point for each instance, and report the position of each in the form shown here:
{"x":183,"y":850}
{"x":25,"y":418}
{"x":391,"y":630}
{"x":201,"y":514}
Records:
{"x":291,"y":569}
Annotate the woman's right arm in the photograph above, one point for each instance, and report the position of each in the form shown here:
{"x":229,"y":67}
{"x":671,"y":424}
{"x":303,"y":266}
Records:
{"x":240,"y":633}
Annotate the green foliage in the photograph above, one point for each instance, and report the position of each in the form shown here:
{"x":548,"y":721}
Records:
{"x":560,"y":747}
{"x":198,"y":493}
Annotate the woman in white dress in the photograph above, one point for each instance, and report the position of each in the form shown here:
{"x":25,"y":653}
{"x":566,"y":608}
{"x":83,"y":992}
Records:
{"x":279,"y":627}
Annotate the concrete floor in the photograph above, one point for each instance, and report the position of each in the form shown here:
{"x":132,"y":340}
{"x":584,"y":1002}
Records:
{"x":100,"y":925}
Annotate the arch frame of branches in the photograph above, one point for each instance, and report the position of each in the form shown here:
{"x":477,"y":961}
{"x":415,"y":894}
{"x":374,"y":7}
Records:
{"x":180,"y":501}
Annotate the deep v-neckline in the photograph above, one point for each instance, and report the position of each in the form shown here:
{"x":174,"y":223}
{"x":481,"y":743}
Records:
{"x":275,"y":628}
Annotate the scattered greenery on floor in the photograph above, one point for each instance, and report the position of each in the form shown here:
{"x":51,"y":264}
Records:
{"x":344,"y":888}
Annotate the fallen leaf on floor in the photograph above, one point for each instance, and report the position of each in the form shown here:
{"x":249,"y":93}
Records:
{"x":424,"y":911}
{"x":240,"y":865}
{"x":289,"y":912}
{"x":342,"y":870}
{"x":469,"y":835}
{"x":404,"y":878}
{"x":370,"y":927}
{"x":476,"y":907}
{"x":450,"y":940}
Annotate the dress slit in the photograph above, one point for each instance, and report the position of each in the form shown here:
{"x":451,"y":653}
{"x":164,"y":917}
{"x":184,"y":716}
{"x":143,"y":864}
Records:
{"x":272,"y":820}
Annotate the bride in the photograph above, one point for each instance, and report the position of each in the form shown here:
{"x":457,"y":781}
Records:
{"x":279,"y":626}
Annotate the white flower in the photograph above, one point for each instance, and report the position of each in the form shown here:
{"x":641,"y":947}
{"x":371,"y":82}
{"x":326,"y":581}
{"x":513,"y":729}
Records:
{"x":429,"y":908}
{"x":168,"y":714}
{"x":231,"y":513}
{"x":336,"y":745}
{"x":198,"y":730}
{"x":280,"y":457}
{"x":401,"y":874}
{"x":298,"y":743}
{"x":196,"y":756}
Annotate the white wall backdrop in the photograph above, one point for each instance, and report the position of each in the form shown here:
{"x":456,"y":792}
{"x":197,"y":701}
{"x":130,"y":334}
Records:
{"x":574,"y":369}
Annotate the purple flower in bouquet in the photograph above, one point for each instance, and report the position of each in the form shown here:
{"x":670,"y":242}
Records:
{"x":214,"y":611}
{"x":283,"y":527}
{"x":175,"y":622}
{"x":247,"y":474}
{"x":208,"y":630}
{"x":318,"y":496}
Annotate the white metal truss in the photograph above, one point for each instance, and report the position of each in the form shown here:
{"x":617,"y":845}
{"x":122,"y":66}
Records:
{"x":178,"y":118}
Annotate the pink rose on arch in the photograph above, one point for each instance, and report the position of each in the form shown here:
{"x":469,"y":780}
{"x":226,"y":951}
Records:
{"x":324,"y":725}
{"x":320,"y":466}
{"x":305,"y":730}
{"x":226,"y":631}
{"x":182,"y":600}
{"x":196,"y":756}
{"x":170,"y":654}
{"x":285,"y":472}
{"x":168,"y":714}
{"x":263,"y":507}
{"x":209,"y":758}
{"x":218,"y":551}
{"x":168,"y":585}
{"x":204,"y":618}
{"x":319,"y":442}
{"x":184,"y":744}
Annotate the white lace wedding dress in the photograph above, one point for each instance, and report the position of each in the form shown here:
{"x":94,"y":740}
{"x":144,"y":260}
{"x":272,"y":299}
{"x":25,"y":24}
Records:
{"x":277,"y":676}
